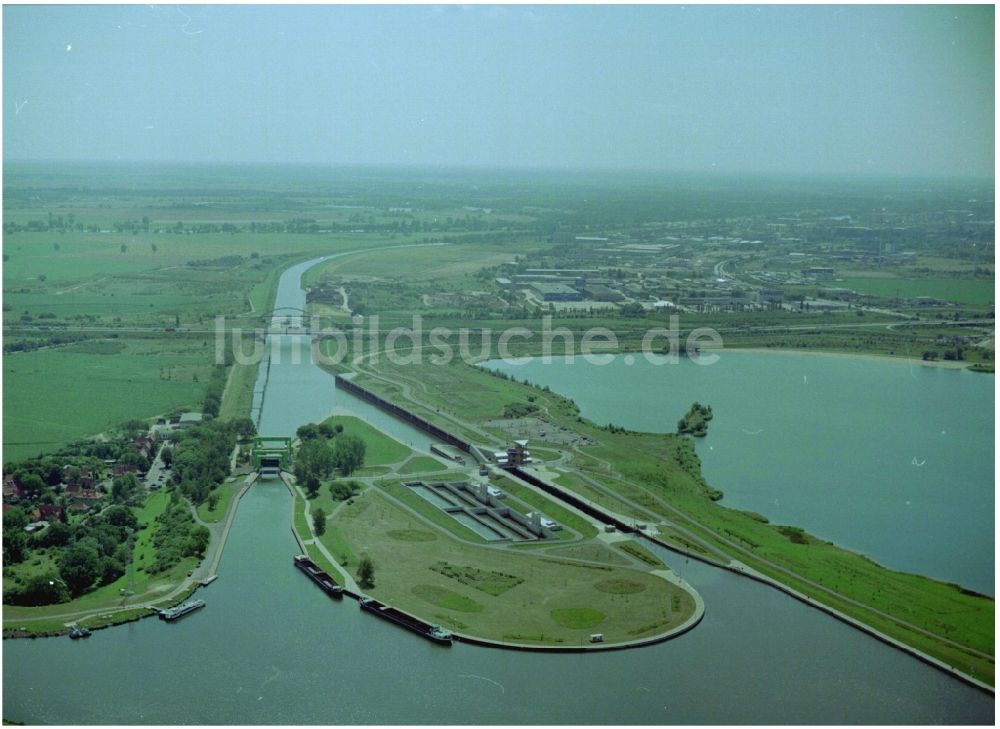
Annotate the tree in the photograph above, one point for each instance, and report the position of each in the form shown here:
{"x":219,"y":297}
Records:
{"x":244,"y":427}
{"x":57,"y":535}
{"x":15,"y":545}
{"x":124,"y":248}
{"x":167,"y":456}
{"x":366,"y":573}
{"x":42,"y":589}
{"x":124,"y":488}
{"x":309,"y":431}
{"x":313,"y":462}
{"x":198,"y":539}
{"x":79,"y":566}
{"x":14,"y":520}
{"x":120,"y":516}
{"x":348,"y":454}
{"x":319,"y":521}
{"x":343,"y":490}
{"x":32,"y":484}
{"x":326,"y":430}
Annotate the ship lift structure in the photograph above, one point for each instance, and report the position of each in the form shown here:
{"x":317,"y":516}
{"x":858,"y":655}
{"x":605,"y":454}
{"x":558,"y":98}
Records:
{"x":271,"y":454}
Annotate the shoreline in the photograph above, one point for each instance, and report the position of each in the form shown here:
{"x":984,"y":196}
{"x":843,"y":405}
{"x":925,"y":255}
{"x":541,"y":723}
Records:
{"x":941,"y":364}
{"x":178,"y":594}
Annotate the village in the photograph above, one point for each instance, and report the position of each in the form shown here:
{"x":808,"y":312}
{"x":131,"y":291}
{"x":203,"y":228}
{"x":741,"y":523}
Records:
{"x":84,"y":479}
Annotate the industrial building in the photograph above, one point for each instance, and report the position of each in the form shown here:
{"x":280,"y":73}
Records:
{"x":557,"y":292}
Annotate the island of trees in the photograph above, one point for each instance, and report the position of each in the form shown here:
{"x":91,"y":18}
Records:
{"x":695,"y":422}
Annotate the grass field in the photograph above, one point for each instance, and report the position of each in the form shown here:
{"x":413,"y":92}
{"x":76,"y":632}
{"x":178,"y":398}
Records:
{"x":975,"y":292}
{"x":546,"y":601}
{"x":421,"y":464}
{"x":225,"y":491}
{"x":51,"y":397}
{"x":380,"y":449}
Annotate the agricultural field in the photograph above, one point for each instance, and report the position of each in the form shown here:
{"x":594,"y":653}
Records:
{"x":54,"y":396}
{"x":973,"y":292}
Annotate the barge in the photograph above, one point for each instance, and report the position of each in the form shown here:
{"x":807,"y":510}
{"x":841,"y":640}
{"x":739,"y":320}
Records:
{"x":321,"y":578}
{"x":432,"y":632}
{"x":181,"y":610}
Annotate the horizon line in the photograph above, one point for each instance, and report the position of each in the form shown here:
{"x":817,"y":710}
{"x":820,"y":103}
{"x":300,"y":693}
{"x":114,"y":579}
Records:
{"x":484,"y":167}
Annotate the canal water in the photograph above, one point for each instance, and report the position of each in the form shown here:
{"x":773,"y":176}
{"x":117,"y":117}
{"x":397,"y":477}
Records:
{"x":270,"y":648}
{"x":891,"y":459}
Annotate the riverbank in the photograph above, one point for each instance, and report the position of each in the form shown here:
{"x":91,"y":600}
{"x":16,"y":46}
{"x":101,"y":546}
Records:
{"x":26,"y":625}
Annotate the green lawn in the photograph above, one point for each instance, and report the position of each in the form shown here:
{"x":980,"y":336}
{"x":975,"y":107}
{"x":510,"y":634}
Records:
{"x":572,"y":482}
{"x":226,"y":491}
{"x":506,"y":595}
{"x":421,"y":464}
{"x":380,"y":449}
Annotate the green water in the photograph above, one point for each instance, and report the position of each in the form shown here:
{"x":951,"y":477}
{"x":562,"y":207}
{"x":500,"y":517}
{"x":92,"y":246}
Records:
{"x":890,"y":459}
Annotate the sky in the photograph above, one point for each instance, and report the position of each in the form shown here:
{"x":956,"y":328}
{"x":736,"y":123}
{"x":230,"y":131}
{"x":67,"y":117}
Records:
{"x":899,"y":90}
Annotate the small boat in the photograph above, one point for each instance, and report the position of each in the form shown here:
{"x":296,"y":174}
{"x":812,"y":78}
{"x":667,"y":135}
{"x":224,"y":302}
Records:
{"x":77,"y":633}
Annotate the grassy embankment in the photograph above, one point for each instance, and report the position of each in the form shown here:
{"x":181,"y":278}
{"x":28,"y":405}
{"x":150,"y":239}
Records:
{"x":661,"y":473}
{"x":225,"y":493}
{"x":148,"y":589}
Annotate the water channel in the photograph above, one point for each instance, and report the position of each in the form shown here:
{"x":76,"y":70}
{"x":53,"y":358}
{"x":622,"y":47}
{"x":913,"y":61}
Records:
{"x":270,"y":648}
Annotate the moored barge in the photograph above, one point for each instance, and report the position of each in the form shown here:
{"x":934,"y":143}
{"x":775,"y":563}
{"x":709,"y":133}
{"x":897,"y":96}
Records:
{"x":181,"y":610}
{"x":432,"y":632}
{"x":321,"y":578}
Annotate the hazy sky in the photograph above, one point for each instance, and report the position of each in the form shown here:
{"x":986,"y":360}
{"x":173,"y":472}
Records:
{"x":802,"y":89}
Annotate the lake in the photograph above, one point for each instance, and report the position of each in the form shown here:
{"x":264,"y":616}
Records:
{"x":891,"y":459}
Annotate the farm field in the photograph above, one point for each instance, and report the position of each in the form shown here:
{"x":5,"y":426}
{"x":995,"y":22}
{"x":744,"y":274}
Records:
{"x":435,"y":263}
{"x":973,"y":292}
{"x":54,"y":396}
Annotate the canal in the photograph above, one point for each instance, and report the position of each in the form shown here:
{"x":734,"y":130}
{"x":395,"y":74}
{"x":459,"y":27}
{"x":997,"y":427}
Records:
{"x":270,"y":648}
